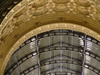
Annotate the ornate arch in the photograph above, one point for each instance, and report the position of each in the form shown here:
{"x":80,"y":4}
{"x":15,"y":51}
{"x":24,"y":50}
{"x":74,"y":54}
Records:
{"x":31,"y":17}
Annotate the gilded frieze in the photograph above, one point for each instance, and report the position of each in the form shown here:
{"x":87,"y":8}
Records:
{"x":28,"y":9}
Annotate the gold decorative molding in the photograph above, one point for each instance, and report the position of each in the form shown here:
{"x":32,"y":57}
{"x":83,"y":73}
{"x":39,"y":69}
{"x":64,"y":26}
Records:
{"x":20,"y":12}
{"x":82,"y":10}
{"x":28,"y":9}
{"x":40,"y":11}
{"x":60,"y":8}
{"x":39,"y":3}
{"x":84,"y":3}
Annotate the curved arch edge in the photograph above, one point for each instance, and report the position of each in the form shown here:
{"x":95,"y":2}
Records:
{"x":45,"y":28}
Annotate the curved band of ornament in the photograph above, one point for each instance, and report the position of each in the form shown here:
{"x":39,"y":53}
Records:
{"x":39,"y":3}
{"x":41,"y":7}
{"x":82,"y":10}
{"x":40,"y":11}
{"x":21,"y":19}
{"x":20,"y":12}
{"x":61,"y":8}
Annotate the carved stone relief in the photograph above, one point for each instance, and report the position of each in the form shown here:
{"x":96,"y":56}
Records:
{"x":40,"y":11}
{"x":19,"y":13}
{"x":39,"y":3}
{"x":60,"y":8}
{"x":82,"y":10}
{"x":84,"y":3}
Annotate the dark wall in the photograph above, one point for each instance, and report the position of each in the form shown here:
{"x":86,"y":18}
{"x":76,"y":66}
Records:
{"x":6,"y":6}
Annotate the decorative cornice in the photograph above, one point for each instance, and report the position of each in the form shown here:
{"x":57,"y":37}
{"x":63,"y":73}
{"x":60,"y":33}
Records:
{"x":39,"y":3}
{"x":84,"y":3}
{"x":82,"y":10}
{"x":28,"y":9}
{"x":60,"y":8}
{"x":23,"y":12}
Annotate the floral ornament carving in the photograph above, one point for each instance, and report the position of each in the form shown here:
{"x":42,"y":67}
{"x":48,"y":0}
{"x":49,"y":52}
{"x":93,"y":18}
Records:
{"x":61,"y":1}
{"x":60,"y":8}
{"x":21,"y":19}
{"x":38,"y":7}
{"x":20,"y":16}
{"x":40,"y":11}
{"x":84,"y":3}
{"x":82,"y":10}
{"x":39,"y":3}
{"x":19,"y":13}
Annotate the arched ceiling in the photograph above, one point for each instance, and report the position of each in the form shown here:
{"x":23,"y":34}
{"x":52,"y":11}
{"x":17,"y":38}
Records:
{"x":30,"y":14}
